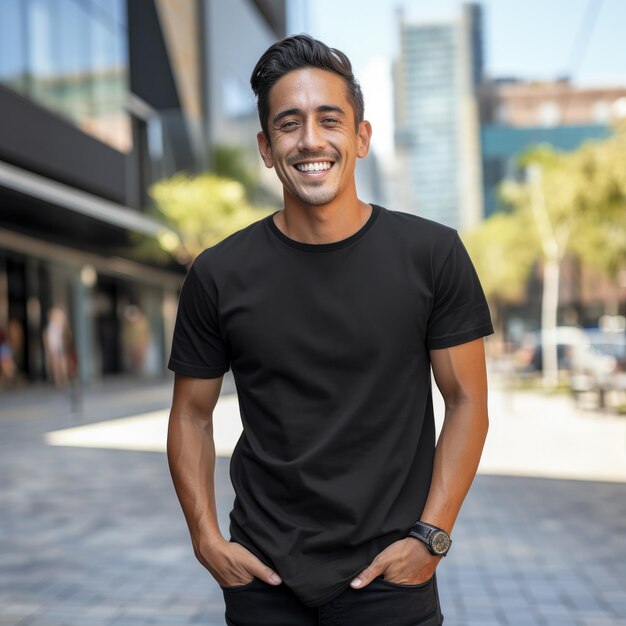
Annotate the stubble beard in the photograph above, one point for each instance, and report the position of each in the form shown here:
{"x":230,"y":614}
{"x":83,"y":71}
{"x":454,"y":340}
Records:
{"x":317,"y":197}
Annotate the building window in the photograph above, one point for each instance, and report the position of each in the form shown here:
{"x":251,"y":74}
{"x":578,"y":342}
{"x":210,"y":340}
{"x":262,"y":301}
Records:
{"x":502,"y":114}
{"x":549,"y":114}
{"x":70,"y":57}
{"x":601,"y":112}
{"x":618,"y":108}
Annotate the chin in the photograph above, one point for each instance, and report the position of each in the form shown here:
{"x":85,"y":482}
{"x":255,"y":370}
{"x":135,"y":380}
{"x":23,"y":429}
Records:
{"x":316,"y":199}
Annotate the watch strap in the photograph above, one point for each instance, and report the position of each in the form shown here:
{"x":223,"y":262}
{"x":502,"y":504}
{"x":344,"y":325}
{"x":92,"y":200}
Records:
{"x":421,"y":531}
{"x":424,"y":532}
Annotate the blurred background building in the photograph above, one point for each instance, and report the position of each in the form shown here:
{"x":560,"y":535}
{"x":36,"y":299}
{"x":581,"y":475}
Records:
{"x":516,"y":115}
{"x":459,"y":132}
{"x":437,"y":125}
{"x":99,"y":100}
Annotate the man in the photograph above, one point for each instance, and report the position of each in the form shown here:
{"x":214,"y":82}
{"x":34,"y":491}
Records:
{"x":331,"y":313}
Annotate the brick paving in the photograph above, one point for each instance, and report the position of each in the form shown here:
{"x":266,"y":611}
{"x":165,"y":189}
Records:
{"x":95,"y":537}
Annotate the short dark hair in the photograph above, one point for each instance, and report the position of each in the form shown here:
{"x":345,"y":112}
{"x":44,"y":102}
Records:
{"x":296,"y":52}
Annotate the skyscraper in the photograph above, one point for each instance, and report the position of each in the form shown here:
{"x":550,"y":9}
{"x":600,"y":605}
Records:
{"x":437,"y":130}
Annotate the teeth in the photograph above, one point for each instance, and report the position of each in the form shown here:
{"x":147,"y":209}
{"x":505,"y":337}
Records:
{"x":314,"y":167}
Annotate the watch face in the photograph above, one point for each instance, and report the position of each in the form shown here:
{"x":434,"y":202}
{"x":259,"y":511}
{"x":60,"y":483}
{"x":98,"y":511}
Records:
{"x":440,"y":542}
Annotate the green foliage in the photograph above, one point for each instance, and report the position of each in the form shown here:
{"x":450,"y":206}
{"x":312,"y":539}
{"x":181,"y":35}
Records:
{"x":204,"y":209}
{"x":585,"y":192}
{"x":574,"y":204}
{"x":503,"y":249}
{"x":600,"y":239}
{"x":231,"y":162}
{"x":237,"y":163}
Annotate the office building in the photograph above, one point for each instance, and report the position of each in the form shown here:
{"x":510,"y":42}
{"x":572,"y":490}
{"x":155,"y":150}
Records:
{"x":98,"y":100}
{"x":437,"y":134}
{"x":516,"y":115}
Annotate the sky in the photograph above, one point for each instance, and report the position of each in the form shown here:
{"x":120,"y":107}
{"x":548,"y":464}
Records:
{"x":531,"y":39}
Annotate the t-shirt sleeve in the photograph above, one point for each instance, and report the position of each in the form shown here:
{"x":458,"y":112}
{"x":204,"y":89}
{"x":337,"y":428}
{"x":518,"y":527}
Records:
{"x":198,"y":348}
{"x":460,"y":312}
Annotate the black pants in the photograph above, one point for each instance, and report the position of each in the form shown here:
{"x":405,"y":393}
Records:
{"x":381,"y":603}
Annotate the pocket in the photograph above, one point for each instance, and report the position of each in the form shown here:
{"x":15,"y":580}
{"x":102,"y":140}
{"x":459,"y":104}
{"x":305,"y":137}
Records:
{"x":231,"y":588}
{"x":386,"y":602}
{"x":393,"y":585}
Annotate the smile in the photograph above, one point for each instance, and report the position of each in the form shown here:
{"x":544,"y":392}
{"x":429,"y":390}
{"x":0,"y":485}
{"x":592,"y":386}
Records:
{"x":317,"y":166}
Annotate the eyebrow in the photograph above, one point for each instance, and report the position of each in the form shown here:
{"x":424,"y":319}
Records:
{"x":324,"y":108}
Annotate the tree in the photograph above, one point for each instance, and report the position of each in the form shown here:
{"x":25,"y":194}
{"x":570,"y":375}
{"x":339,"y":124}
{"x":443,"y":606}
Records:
{"x":204,"y":209}
{"x":549,"y":195}
{"x":601,"y":239}
{"x":503,"y":249}
{"x":238,"y":163}
{"x":577,"y":201}
{"x":234,"y":162}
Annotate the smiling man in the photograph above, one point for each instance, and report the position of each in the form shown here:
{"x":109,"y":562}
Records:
{"x":332,"y":313}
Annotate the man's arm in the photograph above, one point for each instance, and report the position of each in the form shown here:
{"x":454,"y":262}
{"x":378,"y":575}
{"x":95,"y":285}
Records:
{"x":460,"y":374}
{"x":191,"y":456}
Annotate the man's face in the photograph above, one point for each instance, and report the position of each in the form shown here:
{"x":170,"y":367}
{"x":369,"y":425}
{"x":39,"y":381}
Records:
{"x":313,"y":143}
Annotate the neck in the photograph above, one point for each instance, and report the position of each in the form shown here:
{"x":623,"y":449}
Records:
{"x":326,"y":223}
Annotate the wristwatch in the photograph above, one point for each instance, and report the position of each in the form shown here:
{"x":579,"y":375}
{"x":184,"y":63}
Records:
{"x":437,"y":540}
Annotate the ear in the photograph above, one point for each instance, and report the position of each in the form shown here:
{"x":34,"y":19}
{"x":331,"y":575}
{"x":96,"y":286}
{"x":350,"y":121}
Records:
{"x":265,"y":149}
{"x":364,"y":136}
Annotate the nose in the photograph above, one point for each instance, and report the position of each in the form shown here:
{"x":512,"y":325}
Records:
{"x":311,"y":138}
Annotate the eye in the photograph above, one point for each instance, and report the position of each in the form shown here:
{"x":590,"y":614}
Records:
{"x":330,"y":121}
{"x":288,"y":125}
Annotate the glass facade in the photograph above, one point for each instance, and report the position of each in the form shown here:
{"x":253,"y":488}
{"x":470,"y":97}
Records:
{"x":436,"y":117}
{"x":431,"y":85}
{"x":120,"y":320}
{"x":70,"y":56}
{"x":502,"y":146}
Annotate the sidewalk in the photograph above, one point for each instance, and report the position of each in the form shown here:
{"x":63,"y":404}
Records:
{"x":93,"y":536}
{"x":530,"y":435}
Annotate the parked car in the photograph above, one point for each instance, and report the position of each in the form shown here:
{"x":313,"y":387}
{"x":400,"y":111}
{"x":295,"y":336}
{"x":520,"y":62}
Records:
{"x":572,"y":344}
{"x":603,"y":372}
{"x":610,"y":344}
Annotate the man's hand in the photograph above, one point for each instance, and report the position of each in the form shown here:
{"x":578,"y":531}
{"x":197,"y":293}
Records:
{"x":232,"y":565}
{"x":406,"y":562}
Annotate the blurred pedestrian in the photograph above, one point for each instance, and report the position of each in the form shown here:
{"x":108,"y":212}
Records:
{"x":7,"y":363}
{"x":331,"y":313}
{"x":57,"y":342}
{"x":15,"y":335}
{"x":135,"y":338}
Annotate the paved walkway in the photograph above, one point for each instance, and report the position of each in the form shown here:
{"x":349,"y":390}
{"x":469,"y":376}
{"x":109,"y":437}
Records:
{"x":93,"y":536}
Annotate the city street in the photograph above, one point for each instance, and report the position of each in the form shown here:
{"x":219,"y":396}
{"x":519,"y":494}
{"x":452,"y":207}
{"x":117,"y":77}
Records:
{"x":92,"y":534}
{"x":318,"y":193}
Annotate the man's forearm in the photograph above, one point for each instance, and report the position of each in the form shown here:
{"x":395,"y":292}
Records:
{"x":457,"y":457}
{"x":191,"y":456}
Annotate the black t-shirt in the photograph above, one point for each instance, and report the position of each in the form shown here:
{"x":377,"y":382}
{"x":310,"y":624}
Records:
{"x":329,"y":347}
